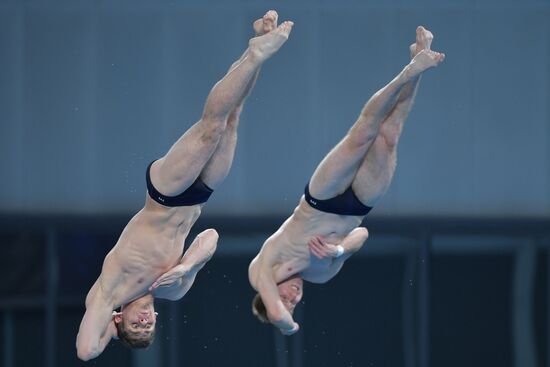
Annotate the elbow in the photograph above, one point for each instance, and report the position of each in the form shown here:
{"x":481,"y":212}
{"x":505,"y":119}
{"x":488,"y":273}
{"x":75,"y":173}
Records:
{"x":274,"y":317}
{"x":86,"y":352}
{"x":363,"y":232}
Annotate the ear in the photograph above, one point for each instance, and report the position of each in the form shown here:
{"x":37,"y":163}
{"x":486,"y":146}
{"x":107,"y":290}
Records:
{"x":117,"y":317}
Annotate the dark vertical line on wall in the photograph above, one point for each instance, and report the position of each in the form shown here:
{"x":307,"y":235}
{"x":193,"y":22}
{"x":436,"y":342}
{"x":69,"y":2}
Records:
{"x":9,"y":342}
{"x":424,"y":271}
{"x":52,"y":278}
{"x":297,"y":340}
{"x":280,"y":343}
{"x":175,"y":346}
{"x":408,"y":310}
{"x":522,"y":305}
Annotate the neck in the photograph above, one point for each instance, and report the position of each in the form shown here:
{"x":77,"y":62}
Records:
{"x":144,"y":301}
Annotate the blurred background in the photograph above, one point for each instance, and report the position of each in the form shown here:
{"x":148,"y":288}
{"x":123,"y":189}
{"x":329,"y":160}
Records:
{"x":456,"y":269}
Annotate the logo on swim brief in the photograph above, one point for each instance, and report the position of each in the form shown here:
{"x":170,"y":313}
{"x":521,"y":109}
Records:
{"x":312,"y":202}
{"x":161,"y":199}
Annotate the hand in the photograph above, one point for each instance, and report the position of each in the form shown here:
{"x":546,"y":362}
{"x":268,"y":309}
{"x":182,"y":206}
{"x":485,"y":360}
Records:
{"x":169,"y":278}
{"x":322,"y":249}
{"x":294,"y":330}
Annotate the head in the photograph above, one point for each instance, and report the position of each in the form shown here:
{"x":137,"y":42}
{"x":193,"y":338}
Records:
{"x":135,"y":323}
{"x":290,"y":291}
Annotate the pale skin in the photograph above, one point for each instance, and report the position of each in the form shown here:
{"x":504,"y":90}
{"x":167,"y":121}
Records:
{"x":304,"y":248}
{"x":147,"y":262}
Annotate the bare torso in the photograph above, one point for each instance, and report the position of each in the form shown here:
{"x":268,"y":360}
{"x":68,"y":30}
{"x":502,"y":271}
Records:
{"x":287,"y":251}
{"x":150,"y":244}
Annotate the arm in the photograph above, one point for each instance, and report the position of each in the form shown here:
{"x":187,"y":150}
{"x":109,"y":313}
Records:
{"x":354,"y":240}
{"x":276,"y":311}
{"x":350,"y":244}
{"x":175,"y":283}
{"x":97,"y":327}
{"x":171,"y":285}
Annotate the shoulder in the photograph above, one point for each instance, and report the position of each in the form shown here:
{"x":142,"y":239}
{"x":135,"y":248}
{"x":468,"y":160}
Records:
{"x":258,"y":269}
{"x":110,"y":277}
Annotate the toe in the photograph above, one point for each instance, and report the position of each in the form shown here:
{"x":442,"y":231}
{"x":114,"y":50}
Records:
{"x":412,"y":49}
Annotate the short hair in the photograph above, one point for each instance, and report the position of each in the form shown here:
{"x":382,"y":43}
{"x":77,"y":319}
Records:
{"x":258,"y":309}
{"x":131,"y":341}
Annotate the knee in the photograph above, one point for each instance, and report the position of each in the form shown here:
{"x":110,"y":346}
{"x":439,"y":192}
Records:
{"x":364,"y":131}
{"x":391,"y":134}
{"x":213,"y":128}
{"x":210,"y":234}
{"x":361,"y":138}
{"x":234,"y":116}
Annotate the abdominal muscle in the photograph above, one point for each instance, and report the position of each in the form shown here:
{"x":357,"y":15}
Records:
{"x":287,"y":250}
{"x":151,"y":244}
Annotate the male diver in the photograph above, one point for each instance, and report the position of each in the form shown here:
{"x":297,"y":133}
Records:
{"x":324,"y":230}
{"x":146,"y":262}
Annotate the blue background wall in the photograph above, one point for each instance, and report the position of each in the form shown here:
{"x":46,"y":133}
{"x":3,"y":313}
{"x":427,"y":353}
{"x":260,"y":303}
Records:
{"x":90,"y":92}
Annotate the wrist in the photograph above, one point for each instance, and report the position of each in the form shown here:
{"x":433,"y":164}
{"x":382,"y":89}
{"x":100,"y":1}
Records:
{"x":340,"y":250}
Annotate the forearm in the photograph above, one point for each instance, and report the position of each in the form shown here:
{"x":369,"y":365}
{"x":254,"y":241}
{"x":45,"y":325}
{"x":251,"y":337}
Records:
{"x":88,"y":345}
{"x":179,"y":288}
{"x":280,"y":317}
{"x":354,"y":241}
{"x":176,"y":291}
{"x":285,"y":322}
{"x":277,"y":313}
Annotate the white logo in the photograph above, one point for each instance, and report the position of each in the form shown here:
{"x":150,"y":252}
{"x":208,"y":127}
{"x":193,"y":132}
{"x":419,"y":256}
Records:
{"x":313,"y":202}
{"x":161,"y":199}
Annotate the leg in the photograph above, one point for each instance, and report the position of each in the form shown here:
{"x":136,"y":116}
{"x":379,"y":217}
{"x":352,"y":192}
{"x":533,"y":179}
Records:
{"x":338,"y":169}
{"x":377,"y":168}
{"x":217,"y":168}
{"x":185,"y":160}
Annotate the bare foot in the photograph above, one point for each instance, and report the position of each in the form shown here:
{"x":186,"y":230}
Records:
{"x":266,"y":24}
{"x":424,"y":40}
{"x":424,"y":60}
{"x":263,"y":47}
{"x":201,"y":250}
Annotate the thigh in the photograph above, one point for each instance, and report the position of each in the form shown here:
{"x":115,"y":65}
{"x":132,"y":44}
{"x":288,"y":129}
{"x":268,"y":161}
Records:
{"x":337,"y":170}
{"x":180,"y":167}
{"x":375,"y":172}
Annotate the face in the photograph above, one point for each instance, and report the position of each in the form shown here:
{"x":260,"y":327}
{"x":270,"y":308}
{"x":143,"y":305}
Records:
{"x":139,"y":318}
{"x":291,"y":292}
